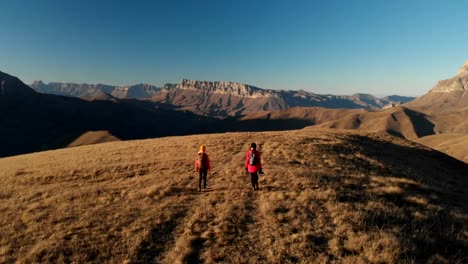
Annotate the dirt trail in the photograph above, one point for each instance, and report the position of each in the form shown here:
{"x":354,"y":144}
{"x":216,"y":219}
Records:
{"x":208,"y":225}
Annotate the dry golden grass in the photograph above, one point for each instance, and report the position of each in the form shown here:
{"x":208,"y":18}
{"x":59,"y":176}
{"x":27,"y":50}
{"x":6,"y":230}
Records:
{"x":93,"y":137}
{"x":327,"y":197}
{"x":455,"y":145}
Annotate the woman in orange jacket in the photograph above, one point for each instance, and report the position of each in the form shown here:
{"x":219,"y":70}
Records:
{"x":202,"y":165}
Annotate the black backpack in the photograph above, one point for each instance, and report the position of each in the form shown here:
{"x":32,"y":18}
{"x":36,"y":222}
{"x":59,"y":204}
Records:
{"x":253,"y":159}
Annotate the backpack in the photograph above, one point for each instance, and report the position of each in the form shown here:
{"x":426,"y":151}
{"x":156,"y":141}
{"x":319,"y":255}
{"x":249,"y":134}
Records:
{"x":201,"y":160}
{"x":253,"y":159}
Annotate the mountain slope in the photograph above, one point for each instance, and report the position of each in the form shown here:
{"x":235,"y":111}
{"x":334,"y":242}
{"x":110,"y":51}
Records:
{"x":316,"y":115}
{"x":455,"y":145}
{"x":93,"y":137}
{"x":446,"y":96}
{"x":398,"y":121}
{"x":327,"y":197}
{"x":455,"y":122}
{"x":292,"y":118}
{"x":11,"y":86}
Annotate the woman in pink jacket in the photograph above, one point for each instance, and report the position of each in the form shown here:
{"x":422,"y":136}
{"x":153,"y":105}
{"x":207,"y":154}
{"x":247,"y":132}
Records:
{"x":253,"y":165}
{"x":202,"y":166}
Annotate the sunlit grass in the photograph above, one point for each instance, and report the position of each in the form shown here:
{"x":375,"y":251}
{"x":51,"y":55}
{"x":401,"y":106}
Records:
{"x":326,"y":197}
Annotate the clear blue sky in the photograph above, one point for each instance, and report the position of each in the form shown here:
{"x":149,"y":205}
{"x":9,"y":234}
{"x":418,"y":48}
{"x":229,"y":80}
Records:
{"x":340,"y":47}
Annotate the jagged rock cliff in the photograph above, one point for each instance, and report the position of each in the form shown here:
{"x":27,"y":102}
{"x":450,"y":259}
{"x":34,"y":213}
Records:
{"x":232,"y":99}
{"x":463,"y":69}
{"x":219,"y":99}
{"x":457,"y":83}
{"x":227,"y":88}
{"x":446,"y":96}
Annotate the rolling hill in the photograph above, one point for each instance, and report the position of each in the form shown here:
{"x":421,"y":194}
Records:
{"x":397,"y":121}
{"x":93,"y":137}
{"x":292,"y":118}
{"x":455,"y":145}
{"x":328,"y":196}
{"x":442,"y":111}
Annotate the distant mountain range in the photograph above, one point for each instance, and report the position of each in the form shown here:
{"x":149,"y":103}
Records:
{"x":33,"y":121}
{"x":137,"y":91}
{"x":222,"y":99}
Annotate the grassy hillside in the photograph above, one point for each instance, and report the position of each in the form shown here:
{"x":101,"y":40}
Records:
{"x":444,"y":132}
{"x":93,"y":137}
{"x":327,"y":197}
{"x":397,"y":121}
{"x":455,"y":145}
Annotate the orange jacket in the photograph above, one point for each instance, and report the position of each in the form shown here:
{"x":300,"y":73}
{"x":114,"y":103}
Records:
{"x":205,"y":157}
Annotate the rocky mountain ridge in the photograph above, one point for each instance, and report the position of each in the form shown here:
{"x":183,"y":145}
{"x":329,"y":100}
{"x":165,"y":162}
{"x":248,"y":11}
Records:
{"x":222,"y":98}
{"x":137,"y":91}
{"x":447,"y":96}
{"x":233,"y":99}
{"x":464,"y":68}
{"x":457,"y":83}
{"x":223,"y":87}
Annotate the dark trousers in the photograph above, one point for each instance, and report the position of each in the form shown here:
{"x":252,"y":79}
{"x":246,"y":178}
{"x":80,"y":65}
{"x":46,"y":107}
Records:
{"x":254,"y":178}
{"x":202,"y":173}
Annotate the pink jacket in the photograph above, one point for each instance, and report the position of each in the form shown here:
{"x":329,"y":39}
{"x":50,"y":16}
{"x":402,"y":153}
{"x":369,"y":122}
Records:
{"x":253,"y":168}
{"x":207,"y":162}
